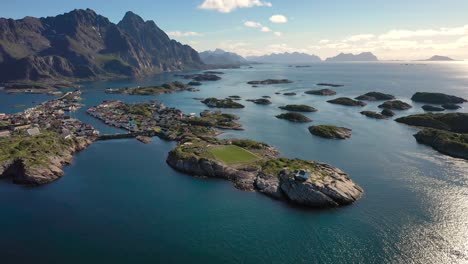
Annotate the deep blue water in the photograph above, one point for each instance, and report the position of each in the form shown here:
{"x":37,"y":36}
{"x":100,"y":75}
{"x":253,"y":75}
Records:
{"x":120,"y":203}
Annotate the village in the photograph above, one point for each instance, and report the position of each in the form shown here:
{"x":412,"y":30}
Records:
{"x":48,"y":116}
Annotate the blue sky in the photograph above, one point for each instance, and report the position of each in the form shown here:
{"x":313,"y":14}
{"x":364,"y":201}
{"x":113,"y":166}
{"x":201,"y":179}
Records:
{"x":394,"y":29}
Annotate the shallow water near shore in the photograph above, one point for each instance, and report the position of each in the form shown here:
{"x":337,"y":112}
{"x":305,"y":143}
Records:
{"x":119,"y":202}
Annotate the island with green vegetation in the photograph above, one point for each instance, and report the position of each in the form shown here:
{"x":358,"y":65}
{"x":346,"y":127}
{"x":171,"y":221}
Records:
{"x":446,"y":133}
{"x":437,"y":98}
{"x":374,"y":115}
{"x":388,"y":113}
{"x":294,"y":117}
{"x":270,"y":81}
{"x":330,"y":132}
{"x":431,"y":108}
{"x":255,"y":166}
{"x":222,"y":103}
{"x":322,"y":92}
{"x":298,"y":108}
{"x":260,"y":101}
{"x":347,"y":102}
{"x":330,"y":84}
{"x":395,"y":105}
{"x":40,"y":141}
{"x":375,"y":96}
{"x":155,"y":119}
{"x":166,"y":88}
{"x":200,"y":77}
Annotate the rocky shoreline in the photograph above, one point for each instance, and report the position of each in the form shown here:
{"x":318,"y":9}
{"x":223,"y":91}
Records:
{"x":325,"y":187}
{"x":22,"y":171}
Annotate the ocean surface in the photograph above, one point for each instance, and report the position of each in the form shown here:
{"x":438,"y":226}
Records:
{"x":120,"y":203}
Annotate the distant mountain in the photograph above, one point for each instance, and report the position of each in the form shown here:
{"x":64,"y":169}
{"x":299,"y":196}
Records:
{"x":439,"y":58}
{"x":82,"y":45}
{"x":295,"y":57}
{"x":221,"y":57}
{"x":343,"y":57}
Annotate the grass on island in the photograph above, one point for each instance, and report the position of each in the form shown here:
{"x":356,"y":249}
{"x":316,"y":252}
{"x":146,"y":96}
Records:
{"x":231,"y":154}
{"x":34,"y":150}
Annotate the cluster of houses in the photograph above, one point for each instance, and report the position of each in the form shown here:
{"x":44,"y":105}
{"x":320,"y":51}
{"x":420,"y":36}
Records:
{"x":116,"y":114}
{"x":50,"y":116}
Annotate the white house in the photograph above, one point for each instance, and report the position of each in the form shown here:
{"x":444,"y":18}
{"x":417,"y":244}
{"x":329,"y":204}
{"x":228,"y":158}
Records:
{"x":33,"y":131}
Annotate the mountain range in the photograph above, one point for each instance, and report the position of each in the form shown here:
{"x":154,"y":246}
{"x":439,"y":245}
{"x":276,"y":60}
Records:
{"x":348,"y":57}
{"x":82,"y":45}
{"x":221,"y":57}
{"x":295,"y":57}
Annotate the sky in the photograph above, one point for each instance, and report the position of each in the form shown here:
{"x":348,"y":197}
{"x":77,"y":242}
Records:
{"x":392,"y":30}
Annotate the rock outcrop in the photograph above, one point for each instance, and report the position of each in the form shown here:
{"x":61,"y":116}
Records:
{"x":375,"y":96}
{"x":331,"y":132}
{"x":326,"y":186}
{"x":437,"y":98}
{"x":395,"y":105}
{"x":25,"y":172}
{"x":323,"y":92}
{"x":347,"y":102}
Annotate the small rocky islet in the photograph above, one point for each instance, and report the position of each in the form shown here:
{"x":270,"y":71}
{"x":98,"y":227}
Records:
{"x":294,"y":117}
{"x":347,"y":102}
{"x":446,"y":133}
{"x":222,"y":103}
{"x":395,"y":105}
{"x":330,"y":132}
{"x":322,"y":92}
{"x":431,"y":108}
{"x":270,"y":81}
{"x":375,"y":96}
{"x":255,"y":166}
{"x":374,"y":115}
{"x":330,"y":85}
{"x":437,"y":98}
{"x":260,"y":101}
{"x":290,"y":93}
{"x":298,"y":108}
{"x":166,"y":88}
{"x":199,"y":77}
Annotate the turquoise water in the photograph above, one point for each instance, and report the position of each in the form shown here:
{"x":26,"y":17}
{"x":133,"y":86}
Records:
{"x":120,"y":203}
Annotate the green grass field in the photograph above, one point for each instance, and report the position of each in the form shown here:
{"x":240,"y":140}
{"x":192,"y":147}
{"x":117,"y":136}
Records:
{"x":232,"y":154}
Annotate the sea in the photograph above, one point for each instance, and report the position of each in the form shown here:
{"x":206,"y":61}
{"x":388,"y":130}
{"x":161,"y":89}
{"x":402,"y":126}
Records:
{"x":119,"y":202}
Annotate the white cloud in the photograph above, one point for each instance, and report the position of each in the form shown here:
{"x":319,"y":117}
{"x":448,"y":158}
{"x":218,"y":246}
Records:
{"x":360,"y":37}
{"x":324,"y":41}
{"x":404,"y":34}
{"x":226,"y":6}
{"x":278,"y":19}
{"x":278,"y":34}
{"x":252,"y":24}
{"x":265,"y":29}
{"x":178,"y":34}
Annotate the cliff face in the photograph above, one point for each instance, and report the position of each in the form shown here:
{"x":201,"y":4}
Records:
{"x":84,"y":45}
{"x":335,"y":190}
{"x":21,"y":171}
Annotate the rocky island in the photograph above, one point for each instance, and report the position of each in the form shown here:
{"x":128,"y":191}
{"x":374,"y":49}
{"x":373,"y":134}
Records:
{"x":446,"y":133}
{"x":290,"y":94}
{"x":200,"y":77}
{"x":298,"y":108}
{"x":437,"y":98}
{"x":323,"y":92}
{"x":166,"y":88}
{"x":347,"y":102}
{"x":294,"y":117}
{"x":330,"y":84}
{"x":222,"y":103}
{"x":375,"y":96}
{"x":270,"y":81}
{"x":431,"y":108}
{"x":40,"y":141}
{"x":260,"y":101}
{"x":254,"y":166}
{"x":330,"y":132}
{"x":395,"y":105}
{"x":374,"y":115}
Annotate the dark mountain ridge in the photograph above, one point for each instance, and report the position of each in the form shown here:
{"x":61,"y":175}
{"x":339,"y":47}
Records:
{"x":82,"y":45}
